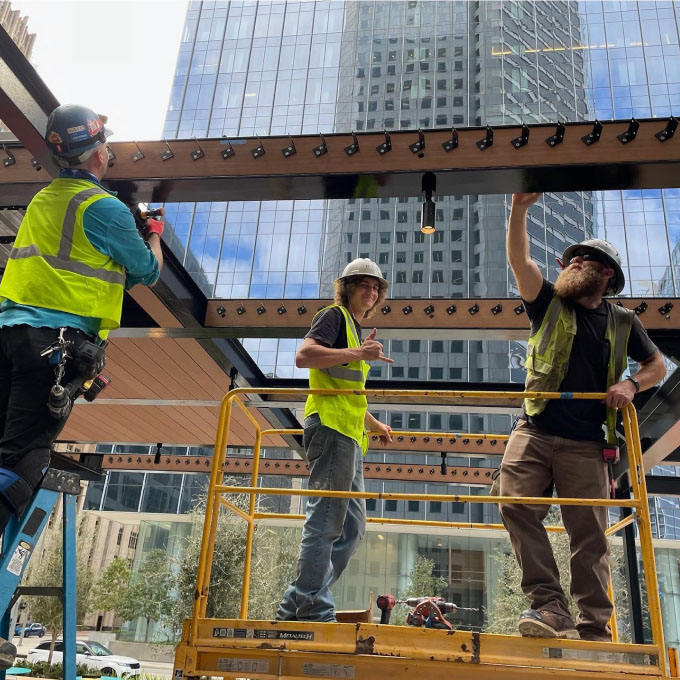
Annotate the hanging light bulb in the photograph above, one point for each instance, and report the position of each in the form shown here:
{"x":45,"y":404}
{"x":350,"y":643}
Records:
{"x":427,"y":215}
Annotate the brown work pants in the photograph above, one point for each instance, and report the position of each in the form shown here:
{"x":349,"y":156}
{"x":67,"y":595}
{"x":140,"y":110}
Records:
{"x":533,"y":459}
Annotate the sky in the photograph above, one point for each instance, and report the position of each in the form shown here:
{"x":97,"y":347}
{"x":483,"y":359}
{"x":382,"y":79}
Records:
{"x":115,"y":56}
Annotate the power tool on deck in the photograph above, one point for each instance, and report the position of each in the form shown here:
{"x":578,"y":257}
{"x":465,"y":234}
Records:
{"x":429,"y":611}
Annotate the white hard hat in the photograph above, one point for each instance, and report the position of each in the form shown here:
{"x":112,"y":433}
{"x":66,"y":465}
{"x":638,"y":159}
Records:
{"x":611,"y":256}
{"x":363,"y":266}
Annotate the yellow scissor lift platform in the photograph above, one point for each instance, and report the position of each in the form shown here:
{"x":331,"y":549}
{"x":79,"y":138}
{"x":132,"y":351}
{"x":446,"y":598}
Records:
{"x":243,"y":648}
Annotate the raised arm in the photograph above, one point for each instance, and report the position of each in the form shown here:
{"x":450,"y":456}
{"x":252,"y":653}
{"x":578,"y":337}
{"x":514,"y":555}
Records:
{"x":527,"y":274}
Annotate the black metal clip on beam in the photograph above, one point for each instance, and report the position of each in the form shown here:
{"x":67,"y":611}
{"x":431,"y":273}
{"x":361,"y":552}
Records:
{"x":258,"y":150}
{"x":593,"y":136}
{"x":630,"y":134}
{"x":523,"y":138}
{"x":352,"y":148}
{"x":668,"y":132}
{"x":558,"y":137}
{"x":386,"y":145}
{"x":289,"y":150}
{"x":484,"y":144}
{"x":418,"y":146}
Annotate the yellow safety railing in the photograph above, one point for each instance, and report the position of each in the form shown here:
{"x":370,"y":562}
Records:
{"x":216,"y":491}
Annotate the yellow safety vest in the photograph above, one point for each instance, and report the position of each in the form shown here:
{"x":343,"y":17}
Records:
{"x":550,"y":346}
{"x":53,"y":264}
{"x":342,"y":412}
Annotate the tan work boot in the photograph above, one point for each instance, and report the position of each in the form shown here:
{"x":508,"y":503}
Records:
{"x":546,"y":624}
{"x":596,"y":635}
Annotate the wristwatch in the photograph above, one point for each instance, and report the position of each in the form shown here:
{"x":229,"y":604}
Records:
{"x":635,"y":382}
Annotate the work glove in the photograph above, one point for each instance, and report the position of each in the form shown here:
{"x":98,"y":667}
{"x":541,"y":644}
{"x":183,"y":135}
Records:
{"x":153,"y":227}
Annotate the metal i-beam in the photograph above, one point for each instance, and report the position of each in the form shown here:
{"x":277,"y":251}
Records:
{"x":295,"y":467}
{"x":432,"y":319}
{"x":25,"y":104}
{"x":264,"y":169}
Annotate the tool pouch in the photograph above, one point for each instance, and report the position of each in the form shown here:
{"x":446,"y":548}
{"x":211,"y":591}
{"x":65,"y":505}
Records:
{"x":90,"y":359}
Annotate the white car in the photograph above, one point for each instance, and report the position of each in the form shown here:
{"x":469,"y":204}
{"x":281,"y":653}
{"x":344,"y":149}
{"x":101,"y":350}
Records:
{"x":92,"y":654}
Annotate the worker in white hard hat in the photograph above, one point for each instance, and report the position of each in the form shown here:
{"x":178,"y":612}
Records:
{"x":335,"y":438}
{"x":579,"y":342}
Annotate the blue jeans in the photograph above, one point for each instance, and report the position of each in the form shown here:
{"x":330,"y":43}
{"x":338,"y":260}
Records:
{"x":333,"y":527}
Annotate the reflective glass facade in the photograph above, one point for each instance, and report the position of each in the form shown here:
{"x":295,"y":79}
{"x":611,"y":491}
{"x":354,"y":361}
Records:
{"x":302,"y":67}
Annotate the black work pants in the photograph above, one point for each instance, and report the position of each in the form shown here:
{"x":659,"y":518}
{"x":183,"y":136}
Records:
{"x":27,"y":429}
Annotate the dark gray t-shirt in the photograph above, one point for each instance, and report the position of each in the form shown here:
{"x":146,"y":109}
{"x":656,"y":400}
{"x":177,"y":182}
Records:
{"x":587,"y":371}
{"x":330,"y":330}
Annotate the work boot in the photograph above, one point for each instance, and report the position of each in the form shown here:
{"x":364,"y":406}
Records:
{"x":546,"y":624}
{"x":596,"y":635}
{"x":8,"y":653}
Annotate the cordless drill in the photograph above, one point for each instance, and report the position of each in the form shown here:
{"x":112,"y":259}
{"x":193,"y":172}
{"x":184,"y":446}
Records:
{"x":142,"y":214}
{"x":429,"y":612}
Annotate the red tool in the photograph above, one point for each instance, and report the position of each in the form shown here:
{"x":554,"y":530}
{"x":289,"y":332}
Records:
{"x":385,"y":605}
{"x":429,"y":612}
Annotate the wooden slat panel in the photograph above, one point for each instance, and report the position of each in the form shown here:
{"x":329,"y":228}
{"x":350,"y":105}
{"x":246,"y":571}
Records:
{"x":172,"y":425}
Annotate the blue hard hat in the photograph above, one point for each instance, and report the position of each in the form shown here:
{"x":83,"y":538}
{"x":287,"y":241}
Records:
{"x":72,"y":130}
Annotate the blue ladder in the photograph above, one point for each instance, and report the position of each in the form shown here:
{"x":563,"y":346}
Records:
{"x":19,"y":541}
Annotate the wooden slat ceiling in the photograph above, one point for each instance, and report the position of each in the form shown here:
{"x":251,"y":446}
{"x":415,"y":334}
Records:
{"x":157,"y":370}
{"x":166,"y":369}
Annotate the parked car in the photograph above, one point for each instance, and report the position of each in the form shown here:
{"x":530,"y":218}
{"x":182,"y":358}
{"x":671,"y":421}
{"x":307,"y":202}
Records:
{"x":92,"y":654}
{"x":31,"y":629}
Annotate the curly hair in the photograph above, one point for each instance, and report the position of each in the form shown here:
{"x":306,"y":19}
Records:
{"x":344,"y":289}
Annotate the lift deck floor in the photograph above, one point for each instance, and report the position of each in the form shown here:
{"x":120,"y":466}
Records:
{"x":233,"y":648}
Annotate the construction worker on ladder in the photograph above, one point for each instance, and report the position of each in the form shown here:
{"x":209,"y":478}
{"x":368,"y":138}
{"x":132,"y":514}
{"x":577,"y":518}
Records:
{"x":579,"y":343}
{"x":335,"y":439}
{"x":76,"y":251}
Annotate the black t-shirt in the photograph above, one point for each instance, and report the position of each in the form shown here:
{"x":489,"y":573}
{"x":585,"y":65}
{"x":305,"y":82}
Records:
{"x":587,"y":371}
{"x":330,"y":330}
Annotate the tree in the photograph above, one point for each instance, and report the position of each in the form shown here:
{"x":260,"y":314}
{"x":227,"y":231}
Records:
{"x":48,"y":571}
{"x":272,"y":567}
{"x":422,"y":583}
{"x":508,"y":602}
{"x":149,"y":594}
{"x":110,"y":589}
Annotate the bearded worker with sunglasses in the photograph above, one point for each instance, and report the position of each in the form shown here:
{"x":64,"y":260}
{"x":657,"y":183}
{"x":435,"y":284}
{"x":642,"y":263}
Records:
{"x":579,"y":342}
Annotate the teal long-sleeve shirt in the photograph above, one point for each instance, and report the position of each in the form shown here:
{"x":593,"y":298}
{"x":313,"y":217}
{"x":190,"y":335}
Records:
{"x":110,"y":228}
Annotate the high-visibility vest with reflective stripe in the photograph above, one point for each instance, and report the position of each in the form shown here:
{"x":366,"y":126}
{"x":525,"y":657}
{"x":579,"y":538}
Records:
{"x":549,"y":349}
{"x":53,"y":264}
{"x":344,"y":413}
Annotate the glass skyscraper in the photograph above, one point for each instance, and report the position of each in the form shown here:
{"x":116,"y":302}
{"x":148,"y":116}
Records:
{"x":248,"y":68}
{"x":276,"y":68}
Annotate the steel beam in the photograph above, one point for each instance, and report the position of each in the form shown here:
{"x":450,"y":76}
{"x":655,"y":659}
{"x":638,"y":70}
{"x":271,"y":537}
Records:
{"x":25,"y":104}
{"x":432,"y":319}
{"x":660,"y":485}
{"x":231,"y":170}
{"x":296,"y":467}
{"x":659,"y":423}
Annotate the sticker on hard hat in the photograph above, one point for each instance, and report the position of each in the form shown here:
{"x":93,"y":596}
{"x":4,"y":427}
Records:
{"x":54,"y":138}
{"x":78,"y":128}
{"x":93,"y":127}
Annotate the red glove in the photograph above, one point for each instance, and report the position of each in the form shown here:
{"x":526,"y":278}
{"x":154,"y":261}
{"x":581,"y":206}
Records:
{"x":153,"y":227}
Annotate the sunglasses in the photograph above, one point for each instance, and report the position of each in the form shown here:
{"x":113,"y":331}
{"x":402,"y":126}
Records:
{"x":588,"y":257}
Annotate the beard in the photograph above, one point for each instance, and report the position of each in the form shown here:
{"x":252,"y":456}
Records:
{"x":573,"y":284}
